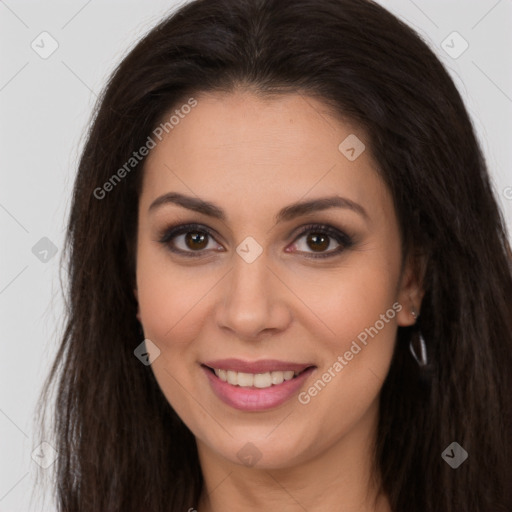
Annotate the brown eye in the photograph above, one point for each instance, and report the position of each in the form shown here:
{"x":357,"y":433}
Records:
{"x":188,"y":240}
{"x":196,"y":240}
{"x":318,"y":238}
{"x":318,"y":241}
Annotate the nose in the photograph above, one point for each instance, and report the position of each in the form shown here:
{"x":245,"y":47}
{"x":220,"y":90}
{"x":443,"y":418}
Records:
{"x":254,"y":302}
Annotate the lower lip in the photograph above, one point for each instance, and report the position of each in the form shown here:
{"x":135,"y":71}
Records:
{"x":256,"y":399}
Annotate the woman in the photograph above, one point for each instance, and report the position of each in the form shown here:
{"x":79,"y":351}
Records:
{"x":290,"y":283}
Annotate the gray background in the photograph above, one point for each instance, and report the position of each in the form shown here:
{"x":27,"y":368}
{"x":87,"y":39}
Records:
{"x":45,"y":105}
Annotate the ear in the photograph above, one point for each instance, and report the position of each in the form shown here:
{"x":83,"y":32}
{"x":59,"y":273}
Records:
{"x":411,"y":291}
{"x":135,"y":292}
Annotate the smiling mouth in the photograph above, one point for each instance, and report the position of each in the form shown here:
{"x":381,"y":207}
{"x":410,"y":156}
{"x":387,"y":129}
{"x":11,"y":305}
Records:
{"x":255,"y":380}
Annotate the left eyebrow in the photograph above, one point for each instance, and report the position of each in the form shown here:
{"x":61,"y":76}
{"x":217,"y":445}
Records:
{"x":323,"y":203}
{"x":285,"y":214}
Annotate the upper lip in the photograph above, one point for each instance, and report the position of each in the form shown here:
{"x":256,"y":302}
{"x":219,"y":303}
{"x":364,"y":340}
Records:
{"x":262,"y":366}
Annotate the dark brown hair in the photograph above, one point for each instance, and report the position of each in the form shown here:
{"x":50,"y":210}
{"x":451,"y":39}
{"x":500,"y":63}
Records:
{"x":121,"y":446}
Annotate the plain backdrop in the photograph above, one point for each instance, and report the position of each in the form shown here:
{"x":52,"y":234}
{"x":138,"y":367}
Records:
{"x":45,"y":105}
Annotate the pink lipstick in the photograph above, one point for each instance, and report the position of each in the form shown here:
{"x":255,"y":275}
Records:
{"x":257,"y":385}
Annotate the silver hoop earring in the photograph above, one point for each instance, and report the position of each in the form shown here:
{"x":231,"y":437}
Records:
{"x":423,"y":360}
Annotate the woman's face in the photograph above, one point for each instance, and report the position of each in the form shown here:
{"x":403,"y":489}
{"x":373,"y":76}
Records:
{"x":246,"y":289}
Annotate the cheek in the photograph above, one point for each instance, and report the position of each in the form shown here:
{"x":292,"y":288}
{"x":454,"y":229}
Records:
{"x":361,"y":295}
{"x":171,"y":298}
{"x":361,"y":313}
{"x":172,"y":311}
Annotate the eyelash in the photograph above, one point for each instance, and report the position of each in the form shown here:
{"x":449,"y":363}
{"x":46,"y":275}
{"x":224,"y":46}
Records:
{"x":342,"y":238}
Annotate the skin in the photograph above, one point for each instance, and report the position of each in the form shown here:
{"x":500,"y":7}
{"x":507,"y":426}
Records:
{"x":251,"y":157}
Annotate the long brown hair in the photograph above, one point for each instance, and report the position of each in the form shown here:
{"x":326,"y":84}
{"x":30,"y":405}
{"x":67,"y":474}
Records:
{"x":121,"y":446}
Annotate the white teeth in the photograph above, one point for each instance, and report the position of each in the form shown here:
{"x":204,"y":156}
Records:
{"x":258,"y":380}
{"x":232,"y":377}
{"x":244,"y":379}
{"x":263,"y":380}
{"x":277,"y":377}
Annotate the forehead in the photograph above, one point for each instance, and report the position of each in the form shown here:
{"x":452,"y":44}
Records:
{"x":239,"y":145}
{"x":226,"y":124}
